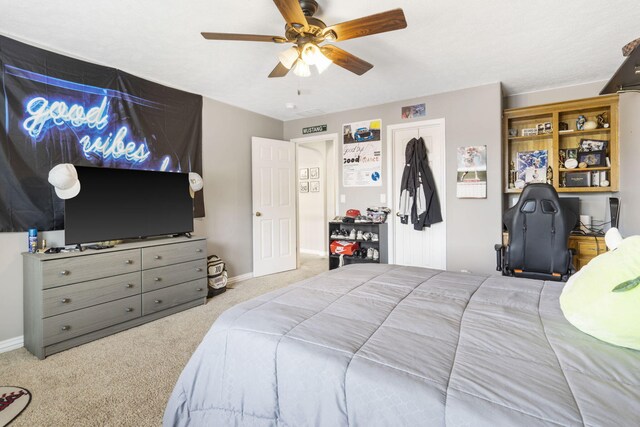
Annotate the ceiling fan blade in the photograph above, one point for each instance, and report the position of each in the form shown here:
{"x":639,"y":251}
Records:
{"x":279,"y":71}
{"x":346,"y":60}
{"x":373,"y":24}
{"x":292,"y":13}
{"x":243,"y":37}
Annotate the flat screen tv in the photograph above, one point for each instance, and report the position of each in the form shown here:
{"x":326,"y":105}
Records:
{"x":118,"y":204}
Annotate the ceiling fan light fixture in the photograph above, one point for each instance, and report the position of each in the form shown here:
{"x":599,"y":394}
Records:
{"x":289,"y":56}
{"x":322,"y":62}
{"x":301,"y":69}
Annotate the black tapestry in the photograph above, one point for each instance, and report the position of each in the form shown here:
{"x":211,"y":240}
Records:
{"x":55,"y":109}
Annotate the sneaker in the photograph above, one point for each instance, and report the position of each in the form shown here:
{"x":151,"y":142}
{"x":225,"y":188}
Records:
{"x":360,"y":236}
{"x":370,"y":253}
{"x":374,"y":237}
{"x":352,"y":235}
{"x":366,"y":236}
{"x":335,"y":234}
{"x":376,"y":255}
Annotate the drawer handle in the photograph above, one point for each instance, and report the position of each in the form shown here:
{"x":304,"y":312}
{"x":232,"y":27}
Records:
{"x":65,"y":300}
{"x":158,"y":301}
{"x":64,"y":273}
{"x":129,"y":285}
{"x":128,"y":309}
{"x":128,"y":261}
{"x":157,"y":257}
{"x":198,"y":269}
{"x":198,"y":250}
{"x":66,"y":327}
{"x":157,"y":279}
{"x":199,"y":289}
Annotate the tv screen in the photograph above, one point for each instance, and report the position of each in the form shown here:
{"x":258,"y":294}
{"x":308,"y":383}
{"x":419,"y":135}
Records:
{"x":123,"y":203}
{"x":572,"y":204}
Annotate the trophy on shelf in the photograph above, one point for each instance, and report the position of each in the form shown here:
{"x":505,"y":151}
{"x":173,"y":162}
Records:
{"x":549,"y":175}
{"x":512,"y":175}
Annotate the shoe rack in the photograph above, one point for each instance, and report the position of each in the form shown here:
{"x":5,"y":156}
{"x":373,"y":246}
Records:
{"x":336,"y":228}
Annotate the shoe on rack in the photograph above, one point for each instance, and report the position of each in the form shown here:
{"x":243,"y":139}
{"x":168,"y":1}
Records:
{"x":352,"y":235}
{"x":366,"y":236}
{"x":370,"y":253}
{"x":374,"y":237}
{"x":376,"y":255}
{"x":360,"y":236}
{"x":335,"y":234}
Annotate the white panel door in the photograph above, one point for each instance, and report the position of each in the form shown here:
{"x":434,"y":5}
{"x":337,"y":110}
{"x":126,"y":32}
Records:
{"x":274,"y":205}
{"x":428,"y":247}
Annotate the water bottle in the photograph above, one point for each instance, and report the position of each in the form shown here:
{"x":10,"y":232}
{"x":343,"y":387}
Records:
{"x":33,"y":240}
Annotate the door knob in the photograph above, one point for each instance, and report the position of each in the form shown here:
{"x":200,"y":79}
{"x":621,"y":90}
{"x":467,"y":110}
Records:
{"x":258,"y":214}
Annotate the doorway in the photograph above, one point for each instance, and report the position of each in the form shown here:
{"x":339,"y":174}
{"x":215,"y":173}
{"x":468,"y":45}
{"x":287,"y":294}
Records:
{"x":428,"y":247}
{"x":316,"y":191}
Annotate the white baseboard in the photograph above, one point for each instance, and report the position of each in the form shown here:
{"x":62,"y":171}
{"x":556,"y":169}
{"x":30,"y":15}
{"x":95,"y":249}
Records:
{"x":239,"y":278}
{"x":11,"y":344}
{"x":313,"y":252}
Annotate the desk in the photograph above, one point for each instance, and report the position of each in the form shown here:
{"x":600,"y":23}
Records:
{"x":586,"y":247}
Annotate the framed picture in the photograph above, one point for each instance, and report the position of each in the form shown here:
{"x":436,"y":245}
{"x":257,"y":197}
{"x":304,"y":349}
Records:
{"x":314,"y":173}
{"x":592,"y":158}
{"x":314,"y":186}
{"x":593,"y":145}
{"x":304,"y":187}
{"x":304,"y":173}
{"x":572,"y":153}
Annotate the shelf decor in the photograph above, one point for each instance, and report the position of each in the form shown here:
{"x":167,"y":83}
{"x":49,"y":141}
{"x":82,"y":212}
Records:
{"x":564,"y":146}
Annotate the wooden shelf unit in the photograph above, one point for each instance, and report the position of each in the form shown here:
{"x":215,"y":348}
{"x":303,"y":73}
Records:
{"x":553,"y":142}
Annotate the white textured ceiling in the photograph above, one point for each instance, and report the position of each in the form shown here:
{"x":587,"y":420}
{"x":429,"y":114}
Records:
{"x":527,"y":45}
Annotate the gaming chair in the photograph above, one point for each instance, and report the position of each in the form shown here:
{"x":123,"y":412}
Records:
{"x":538,"y":236}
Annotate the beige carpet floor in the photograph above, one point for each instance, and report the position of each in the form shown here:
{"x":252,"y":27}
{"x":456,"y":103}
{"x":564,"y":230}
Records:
{"x":126,"y":379}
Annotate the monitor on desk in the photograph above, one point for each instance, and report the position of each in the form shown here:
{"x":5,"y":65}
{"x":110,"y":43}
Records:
{"x":572,"y":204}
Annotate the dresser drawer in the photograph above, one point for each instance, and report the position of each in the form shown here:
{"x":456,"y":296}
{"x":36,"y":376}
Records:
{"x":80,"y":322}
{"x":85,"y":294}
{"x":159,"y":256}
{"x":174,"y":295}
{"x":64,"y":271}
{"x":589,"y":249}
{"x":161,"y":277}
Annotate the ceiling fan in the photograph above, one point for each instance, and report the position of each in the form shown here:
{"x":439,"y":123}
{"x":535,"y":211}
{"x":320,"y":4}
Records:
{"x":308,"y":33}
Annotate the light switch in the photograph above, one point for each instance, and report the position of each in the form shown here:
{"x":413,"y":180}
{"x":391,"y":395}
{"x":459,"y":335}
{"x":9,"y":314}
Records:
{"x":343,"y":198}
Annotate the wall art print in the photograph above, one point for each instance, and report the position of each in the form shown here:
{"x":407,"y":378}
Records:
{"x":362,"y":154}
{"x":55,"y":109}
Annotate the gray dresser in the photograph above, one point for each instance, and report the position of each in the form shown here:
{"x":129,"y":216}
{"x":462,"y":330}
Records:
{"x":73,"y":298}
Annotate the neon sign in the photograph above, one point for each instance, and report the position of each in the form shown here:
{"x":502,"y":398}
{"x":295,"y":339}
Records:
{"x":44,"y":114}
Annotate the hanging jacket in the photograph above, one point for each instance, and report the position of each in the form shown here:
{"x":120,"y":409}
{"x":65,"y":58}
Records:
{"x":418,"y":194}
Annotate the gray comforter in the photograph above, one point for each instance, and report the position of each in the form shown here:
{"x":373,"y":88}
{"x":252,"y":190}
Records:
{"x":383,"y":345}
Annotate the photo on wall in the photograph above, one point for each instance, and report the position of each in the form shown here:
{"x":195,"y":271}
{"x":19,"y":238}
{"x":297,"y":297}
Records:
{"x":472,"y":172}
{"x":362,"y":154}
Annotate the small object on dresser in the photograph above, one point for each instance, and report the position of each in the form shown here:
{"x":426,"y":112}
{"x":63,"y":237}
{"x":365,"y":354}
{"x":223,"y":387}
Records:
{"x":563,"y":126}
{"x":590,"y":125}
{"x":549,"y":175}
{"x":33,"y":240}
{"x":582,"y":165}
{"x":513,"y":132}
{"x":580,"y":122}
{"x":603,"y":121}
{"x":529,"y":131}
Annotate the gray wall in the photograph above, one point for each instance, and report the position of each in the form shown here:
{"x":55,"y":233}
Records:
{"x":597,"y":205}
{"x":226,"y":151}
{"x":472,"y":118}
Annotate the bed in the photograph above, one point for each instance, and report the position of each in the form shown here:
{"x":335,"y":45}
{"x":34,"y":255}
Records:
{"x":385,"y":345}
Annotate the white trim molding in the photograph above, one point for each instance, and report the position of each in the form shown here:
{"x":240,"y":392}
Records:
{"x":313,"y":252}
{"x":240,"y":278}
{"x":11,"y":344}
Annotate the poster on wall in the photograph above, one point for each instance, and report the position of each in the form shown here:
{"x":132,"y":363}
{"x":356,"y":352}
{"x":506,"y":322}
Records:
{"x":472,"y":172}
{"x":55,"y":109}
{"x":362,"y":154}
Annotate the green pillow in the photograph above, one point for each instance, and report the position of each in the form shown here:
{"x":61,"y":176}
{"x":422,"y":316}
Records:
{"x":590,"y":303}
